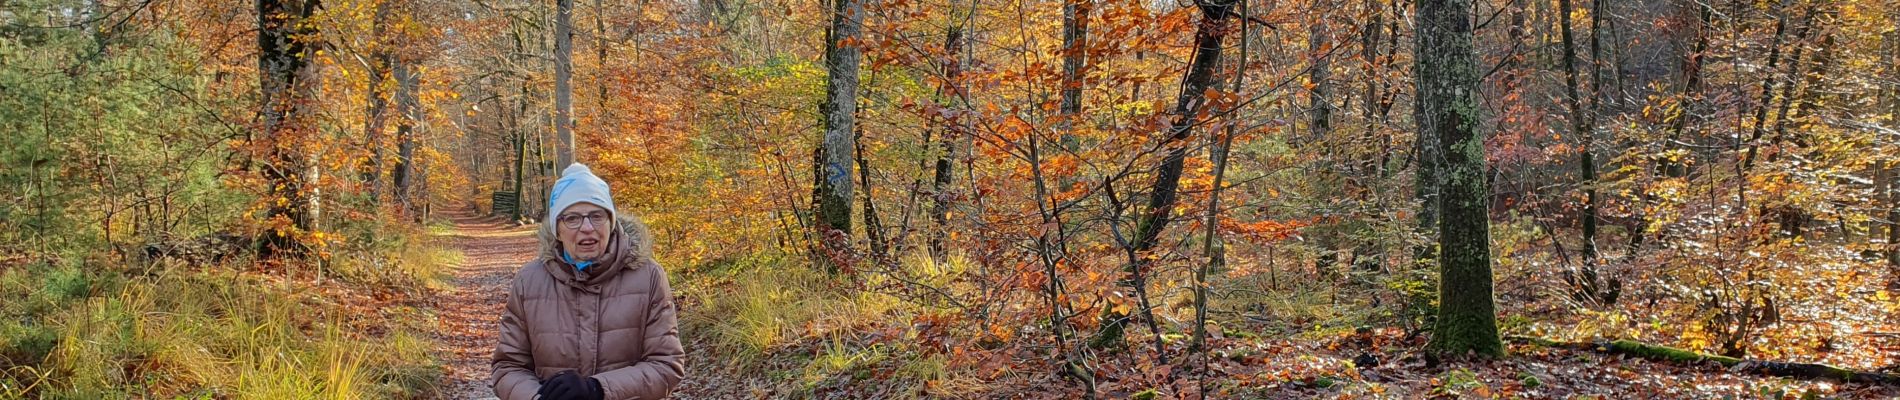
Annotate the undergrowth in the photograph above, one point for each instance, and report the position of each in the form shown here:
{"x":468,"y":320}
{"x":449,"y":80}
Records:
{"x":101,"y":326}
{"x":804,"y":332}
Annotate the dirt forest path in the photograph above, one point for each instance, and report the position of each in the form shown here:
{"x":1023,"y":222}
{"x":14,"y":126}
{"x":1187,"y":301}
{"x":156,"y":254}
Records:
{"x":492,"y":250}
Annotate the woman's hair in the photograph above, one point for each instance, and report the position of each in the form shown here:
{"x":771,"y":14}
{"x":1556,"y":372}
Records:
{"x":550,"y":240}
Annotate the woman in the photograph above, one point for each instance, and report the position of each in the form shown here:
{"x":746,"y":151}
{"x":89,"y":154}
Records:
{"x":592,"y":316}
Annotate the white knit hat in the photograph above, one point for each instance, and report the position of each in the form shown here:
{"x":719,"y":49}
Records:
{"x":579,"y":185}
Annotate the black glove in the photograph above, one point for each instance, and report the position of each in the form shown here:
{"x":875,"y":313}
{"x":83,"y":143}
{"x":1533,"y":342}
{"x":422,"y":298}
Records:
{"x":570,"y":386}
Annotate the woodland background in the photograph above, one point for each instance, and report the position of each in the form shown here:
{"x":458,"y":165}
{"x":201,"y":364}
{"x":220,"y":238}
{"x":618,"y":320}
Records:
{"x":924,"y":198}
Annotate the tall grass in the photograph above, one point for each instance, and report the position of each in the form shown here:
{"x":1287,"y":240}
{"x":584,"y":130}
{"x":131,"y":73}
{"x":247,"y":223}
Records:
{"x":808,"y":329}
{"x":394,"y":256}
{"x":85,"y":329}
{"x":194,"y":333}
{"x":757,"y":312}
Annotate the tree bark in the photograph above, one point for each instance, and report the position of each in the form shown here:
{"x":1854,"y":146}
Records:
{"x":1586,"y":162}
{"x":1320,"y":129}
{"x":287,"y":79}
{"x":1052,"y":240}
{"x":873,"y":229}
{"x":600,"y":67}
{"x":1893,"y":177}
{"x":1375,"y":83}
{"x":1691,"y":88}
{"x":1161,"y":198}
{"x":1890,"y":192}
{"x":1366,"y":254}
{"x":1211,"y":244}
{"x":407,"y":106}
{"x":375,"y":117}
{"x":563,"y":83}
{"x":1579,"y":129}
{"x":1767,"y":93}
{"x":1426,"y":187}
{"x":1584,"y":279}
{"x":1447,"y":77}
{"x":940,"y":183}
{"x":1320,"y":121}
{"x":832,"y":190}
{"x":520,"y":135}
{"x":1790,"y":94}
{"x":1075,"y":31}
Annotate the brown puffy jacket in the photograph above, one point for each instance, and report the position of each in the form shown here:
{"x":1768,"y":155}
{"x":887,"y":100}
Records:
{"x":615,"y":322}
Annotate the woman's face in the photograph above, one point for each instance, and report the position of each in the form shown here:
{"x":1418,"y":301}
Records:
{"x":583,"y":229}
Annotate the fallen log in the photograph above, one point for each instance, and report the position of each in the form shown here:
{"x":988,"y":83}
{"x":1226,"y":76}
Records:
{"x":1680,"y":356}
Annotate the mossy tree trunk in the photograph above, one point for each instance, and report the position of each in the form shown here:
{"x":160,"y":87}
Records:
{"x":1674,"y":355}
{"x":1447,"y":87}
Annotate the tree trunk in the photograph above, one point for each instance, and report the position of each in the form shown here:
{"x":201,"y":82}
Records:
{"x":873,"y":229}
{"x":1793,"y":219}
{"x":1790,"y":93}
{"x":1375,"y":84}
{"x":1051,"y":240}
{"x":600,"y":67}
{"x":1320,"y":100}
{"x":422,"y":194}
{"x":1200,"y":75}
{"x":1893,"y":178}
{"x":1446,"y":70}
{"x":1075,"y":31}
{"x":1767,"y":93}
{"x":1320,"y":130}
{"x":833,"y":188}
{"x":1366,"y":253}
{"x":1893,"y":216}
{"x":521,"y":158}
{"x":1890,"y":191}
{"x":1211,"y":245}
{"x":1584,"y":279}
{"x":563,"y":83}
{"x":379,"y":61}
{"x":541,"y":170}
{"x":407,"y":82}
{"x":520,"y":135}
{"x":1691,"y":89}
{"x":1578,"y":128}
{"x":1586,"y":162}
{"x":287,"y":79}
{"x":1426,"y":185}
{"x":1050,"y":251}
{"x":940,"y":183}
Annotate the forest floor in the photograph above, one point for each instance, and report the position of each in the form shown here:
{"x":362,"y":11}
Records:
{"x":1257,"y":368}
{"x":1250,"y":362}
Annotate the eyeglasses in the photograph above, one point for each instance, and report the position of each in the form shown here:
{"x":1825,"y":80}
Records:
{"x":573,"y":221}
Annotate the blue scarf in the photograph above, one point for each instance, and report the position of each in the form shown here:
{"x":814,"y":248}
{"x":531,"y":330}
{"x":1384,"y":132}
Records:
{"x":581,"y":266}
